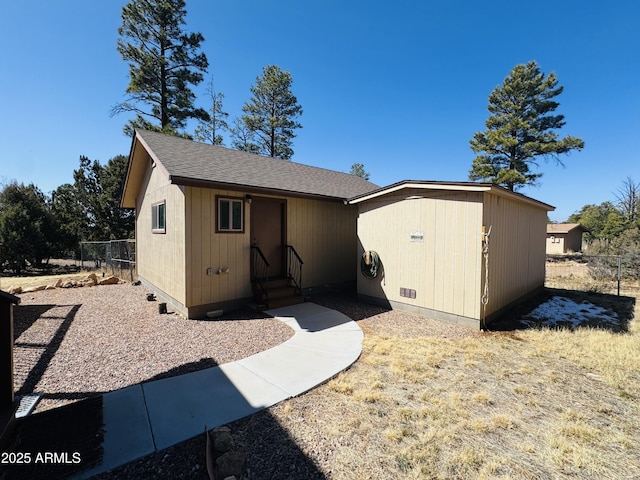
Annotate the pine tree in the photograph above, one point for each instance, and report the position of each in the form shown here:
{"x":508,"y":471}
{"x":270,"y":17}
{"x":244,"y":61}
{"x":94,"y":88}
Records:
{"x":27,"y":227}
{"x":271,"y":113}
{"x":242,"y":138}
{"x":358,"y":170}
{"x":163,"y":62}
{"x":520,"y":129}
{"x":209,"y":131}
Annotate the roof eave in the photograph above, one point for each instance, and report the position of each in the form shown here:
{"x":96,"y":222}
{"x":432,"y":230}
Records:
{"x":134,"y":171}
{"x":523,"y":198}
{"x":251,"y":189}
{"x":452,"y":186}
{"x":426,"y":185}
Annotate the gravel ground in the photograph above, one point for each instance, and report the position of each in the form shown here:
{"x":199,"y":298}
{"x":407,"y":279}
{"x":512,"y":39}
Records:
{"x":90,"y":331}
{"x":77,"y":343}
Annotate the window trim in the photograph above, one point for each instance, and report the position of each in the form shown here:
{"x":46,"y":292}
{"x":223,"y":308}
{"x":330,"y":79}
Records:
{"x":155,"y":217}
{"x":231,"y":200}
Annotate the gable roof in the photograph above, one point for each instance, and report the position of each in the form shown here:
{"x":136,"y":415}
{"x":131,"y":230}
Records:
{"x":454,"y":186}
{"x":555,"y":228}
{"x":199,"y":164}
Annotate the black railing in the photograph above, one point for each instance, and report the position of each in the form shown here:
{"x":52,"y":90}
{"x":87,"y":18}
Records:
{"x":260,"y":271}
{"x":294,"y":267}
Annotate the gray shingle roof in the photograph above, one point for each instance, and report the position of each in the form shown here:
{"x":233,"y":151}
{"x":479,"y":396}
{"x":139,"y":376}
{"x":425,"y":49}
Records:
{"x":190,"y":162}
{"x":564,"y":227}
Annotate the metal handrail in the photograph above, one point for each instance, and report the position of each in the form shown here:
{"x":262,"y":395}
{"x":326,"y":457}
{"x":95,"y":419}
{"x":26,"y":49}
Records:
{"x":260,"y":270}
{"x":294,"y":267}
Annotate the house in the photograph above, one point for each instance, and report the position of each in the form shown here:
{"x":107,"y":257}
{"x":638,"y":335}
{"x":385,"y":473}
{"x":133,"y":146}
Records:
{"x":458,"y":252}
{"x":564,"y":238}
{"x":217,"y":228}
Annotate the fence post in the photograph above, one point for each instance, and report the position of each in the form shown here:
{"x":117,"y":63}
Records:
{"x":619,"y":272}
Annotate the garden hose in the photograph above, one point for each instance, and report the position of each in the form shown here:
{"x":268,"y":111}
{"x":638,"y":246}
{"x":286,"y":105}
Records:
{"x":370,"y":264}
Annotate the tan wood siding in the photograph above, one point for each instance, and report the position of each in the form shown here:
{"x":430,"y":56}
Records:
{"x":516,"y":249}
{"x":559,"y":243}
{"x":322,"y":232}
{"x":444,"y":268}
{"x":324,"y":235}
{"x":217,"y":251}
{"x":162,"y":259}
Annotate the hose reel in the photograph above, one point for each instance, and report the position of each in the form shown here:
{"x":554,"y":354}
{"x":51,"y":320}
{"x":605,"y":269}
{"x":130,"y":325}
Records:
{"x":370,"y":264}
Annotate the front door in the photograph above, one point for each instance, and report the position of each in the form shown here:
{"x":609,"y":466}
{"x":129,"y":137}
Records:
{"x":267,"y":231}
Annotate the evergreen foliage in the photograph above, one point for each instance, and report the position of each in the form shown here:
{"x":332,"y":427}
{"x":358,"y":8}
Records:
{"x":98,"y":190}
{"x":520,"y":129}
{"x":209,"y":131}
{"x":242,"y":138}
{"x":358,"y":170}
{"x":164,"y":62}
{"x":613,"y":229}
{"x":270,"y":115}
{"x":26,"y":227}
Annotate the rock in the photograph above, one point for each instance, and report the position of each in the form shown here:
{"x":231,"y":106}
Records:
{"x":69,"y":284}
{"x":230,"y":464}
{"x":14,"y":290}
{"x":34,"y":289}
{"x":91,"y":280}
{"x":109,"y":281}
{"x":54,"y":285}
{"x":222,"y":442}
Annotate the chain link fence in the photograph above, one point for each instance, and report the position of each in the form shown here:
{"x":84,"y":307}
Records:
{"x":116,"y":257}
{"x":597,"y":273}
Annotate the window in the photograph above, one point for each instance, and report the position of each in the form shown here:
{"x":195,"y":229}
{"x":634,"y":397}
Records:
{"x":230,"y":215}
{"x":158,"y":217}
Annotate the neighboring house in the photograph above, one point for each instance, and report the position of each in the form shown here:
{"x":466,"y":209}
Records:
{"x":433,"y":255}
{"x":564,"y":238}
{"x":210,"y":219}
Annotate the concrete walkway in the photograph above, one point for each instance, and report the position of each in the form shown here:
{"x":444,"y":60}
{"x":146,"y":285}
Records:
{"x":152,"y":416}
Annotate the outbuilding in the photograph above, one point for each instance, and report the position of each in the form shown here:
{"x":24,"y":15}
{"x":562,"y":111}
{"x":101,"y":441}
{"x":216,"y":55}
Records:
{"x":563,"y":238}
{"x":460,"y":252}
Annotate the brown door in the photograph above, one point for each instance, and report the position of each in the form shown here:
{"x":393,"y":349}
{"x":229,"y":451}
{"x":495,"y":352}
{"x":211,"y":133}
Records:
{"x":267,"y":231}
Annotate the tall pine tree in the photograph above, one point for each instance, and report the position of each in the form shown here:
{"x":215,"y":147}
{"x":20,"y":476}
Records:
{"x":164,"y":62}
{"x":270,"y":115}
{"x":520,"y":129}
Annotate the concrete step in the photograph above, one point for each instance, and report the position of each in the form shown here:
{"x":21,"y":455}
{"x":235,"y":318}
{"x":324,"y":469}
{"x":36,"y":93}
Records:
{"x":281,"y":292}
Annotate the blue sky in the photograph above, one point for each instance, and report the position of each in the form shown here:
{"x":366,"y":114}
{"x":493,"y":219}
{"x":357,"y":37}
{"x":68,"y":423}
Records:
{"x":398,"y":86}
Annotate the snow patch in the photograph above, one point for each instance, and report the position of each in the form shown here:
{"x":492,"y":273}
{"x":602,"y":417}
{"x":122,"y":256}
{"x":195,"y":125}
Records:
{"x":564,"y":311}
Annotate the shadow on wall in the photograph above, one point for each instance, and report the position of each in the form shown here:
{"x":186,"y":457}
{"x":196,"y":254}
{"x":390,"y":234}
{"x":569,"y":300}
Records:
{"x":371,"y":276}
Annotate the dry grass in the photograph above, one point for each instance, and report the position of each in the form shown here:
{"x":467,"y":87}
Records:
{"x":426,"y":401}
{"x":575,"y":275}
{"x":8,"y":282}
{"x":532,"y":404}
